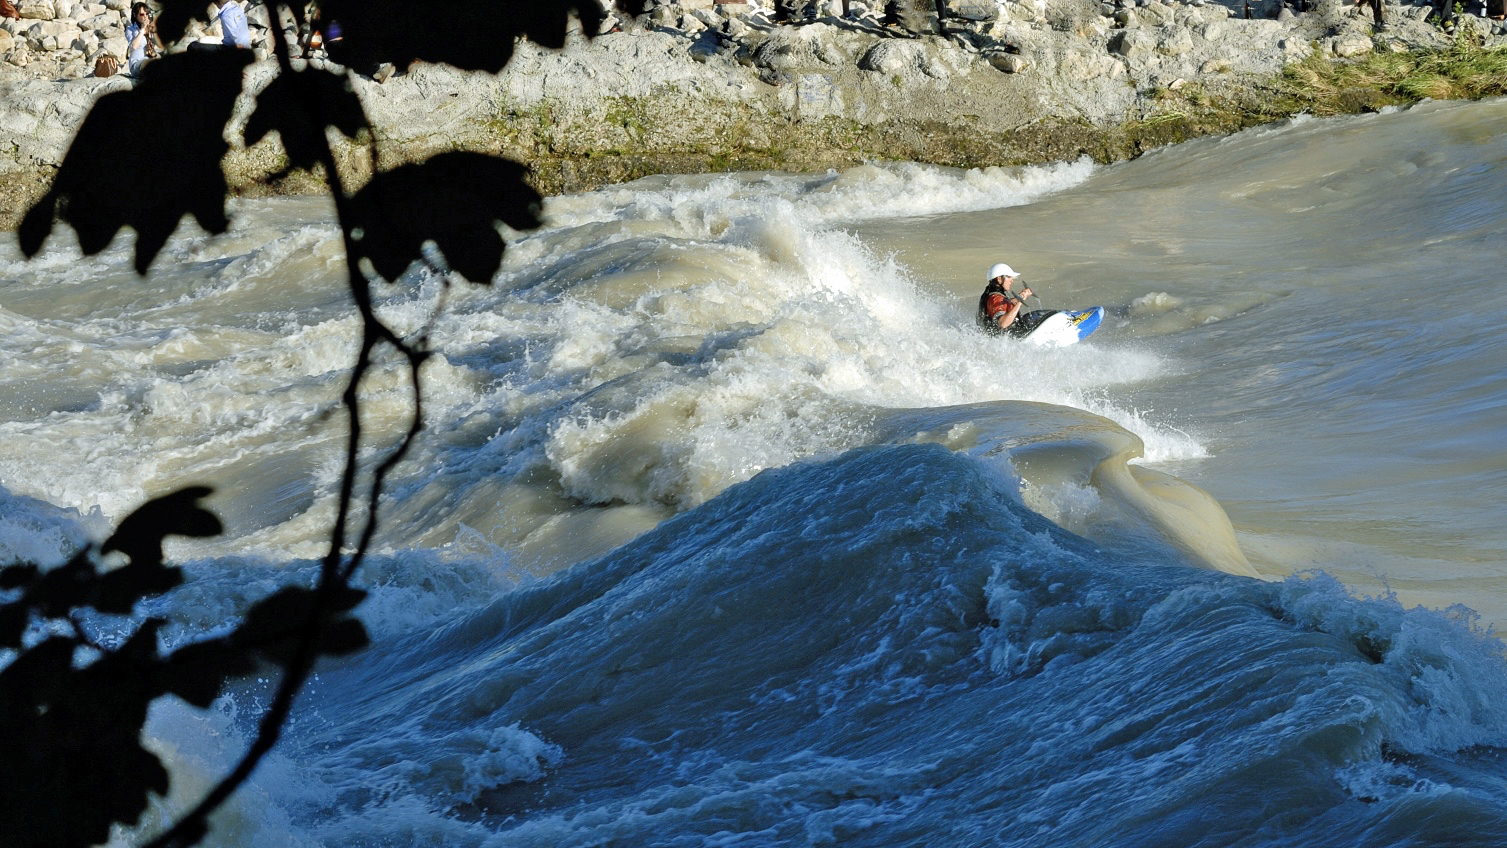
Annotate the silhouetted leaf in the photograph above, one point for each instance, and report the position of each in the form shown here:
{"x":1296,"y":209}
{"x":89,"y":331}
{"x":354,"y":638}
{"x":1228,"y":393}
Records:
{"x":343,"y":636}
{"x":35,"y":676}
{"x":107,"y":708}
{"x":144,"y":158}
{"x":140,"y":535}
{"x":60,"y":590}
{"x":299,"y":105}
{"x":197,"y":672}
{"x":18,"y":575}
{"x":174,"y":16}
{"x":13,"y":620}
{"x":120,"y":588}
{"x":274,"y":625}
{"x":476,"y":35}
{"x":73,"y":738}
{"x":455,"y":200}
{"x":70,"y":737}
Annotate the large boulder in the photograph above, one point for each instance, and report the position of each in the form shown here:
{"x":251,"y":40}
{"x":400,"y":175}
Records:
{"x":1352,"y":44}
{"x":969,"y":10}
{"x":789,"y":49}
{"x":41,"y":116}
{"x":99,"y":22}
{"x":1135,"y":45}
{"x":36,"y":10}
{"x":891,"y":56}
{"x":1154,"y":14}
{"x":51,"y":35}
{"x":1081,"y":64}
{"x":1174,"y":41}
{"x":1008,"y":62}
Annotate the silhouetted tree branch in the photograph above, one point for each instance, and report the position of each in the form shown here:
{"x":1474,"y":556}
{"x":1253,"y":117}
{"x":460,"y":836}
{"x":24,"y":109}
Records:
{"x":71,"y":721}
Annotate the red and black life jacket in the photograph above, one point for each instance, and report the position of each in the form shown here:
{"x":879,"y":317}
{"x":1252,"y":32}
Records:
{"x":986,"y":322}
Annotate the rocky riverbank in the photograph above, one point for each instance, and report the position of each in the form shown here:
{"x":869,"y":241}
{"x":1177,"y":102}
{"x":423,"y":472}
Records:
{"x":693,"y":87}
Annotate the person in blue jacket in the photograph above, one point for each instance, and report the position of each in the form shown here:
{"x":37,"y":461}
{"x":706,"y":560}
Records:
{"x":142,"y":42}
{"x":234,"y":31}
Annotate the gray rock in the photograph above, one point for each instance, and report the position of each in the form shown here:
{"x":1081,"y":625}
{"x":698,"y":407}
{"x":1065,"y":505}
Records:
{"x":1352,"y":44}
{"x":775,"y":55}
{"x":36,"y":10}
{"x":969,"y":10}
{"x":890,"y":56}
{"x":50,"y":36}
{"x":831,"y":54}
{"x":1008,"y":62}
{"x":1154,"y":14}
{"x":1174,"y":41}
{"x":1474,"y":27}
{"x":95,"y":23}
{"x":1136,"y":45}
{"x":707,"y":17}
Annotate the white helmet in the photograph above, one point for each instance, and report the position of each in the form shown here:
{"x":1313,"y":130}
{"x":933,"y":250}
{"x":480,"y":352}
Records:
{"x":1000,"y":269}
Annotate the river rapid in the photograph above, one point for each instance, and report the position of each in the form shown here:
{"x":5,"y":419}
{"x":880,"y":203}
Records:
{"x":728,"y":528}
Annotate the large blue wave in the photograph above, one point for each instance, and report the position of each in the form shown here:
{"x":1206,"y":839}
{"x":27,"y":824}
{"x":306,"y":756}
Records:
{"x":886,"y":648}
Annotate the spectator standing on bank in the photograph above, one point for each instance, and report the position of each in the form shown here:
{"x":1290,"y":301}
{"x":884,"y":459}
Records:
{"x":1444,"y":10}
{"x":1380,"y":21}
{"x":894,"y":14}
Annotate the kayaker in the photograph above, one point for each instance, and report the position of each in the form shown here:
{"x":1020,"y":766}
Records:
{"x":998,"y":306}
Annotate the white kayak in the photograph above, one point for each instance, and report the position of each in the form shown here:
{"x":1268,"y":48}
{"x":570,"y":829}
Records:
{"x":1054,"y":327}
